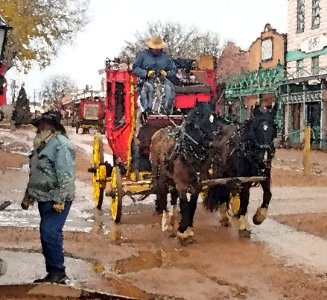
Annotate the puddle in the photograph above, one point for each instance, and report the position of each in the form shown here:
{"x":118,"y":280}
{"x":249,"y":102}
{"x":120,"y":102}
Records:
{"x":146,"y":260}
{"x":295,"y":247}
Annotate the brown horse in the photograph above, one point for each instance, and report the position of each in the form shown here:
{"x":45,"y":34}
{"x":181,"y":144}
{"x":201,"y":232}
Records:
{"x":162,"y":144}
{"x":175,"y":174}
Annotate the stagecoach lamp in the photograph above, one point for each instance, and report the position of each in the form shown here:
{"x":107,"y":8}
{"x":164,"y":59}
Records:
{"x":4,"y":28}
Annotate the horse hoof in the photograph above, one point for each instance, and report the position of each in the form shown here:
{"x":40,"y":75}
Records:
{"x":244,"y":233}
{"x":185,"y":241}
{"x":225,"y":223}
{"x":182,"y":235}
{"x":189,"y":231}
{"x":259,"y":216}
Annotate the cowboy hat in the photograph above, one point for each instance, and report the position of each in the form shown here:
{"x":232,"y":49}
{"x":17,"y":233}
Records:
{"x":52,"y":118}
{"x":156,"y":42}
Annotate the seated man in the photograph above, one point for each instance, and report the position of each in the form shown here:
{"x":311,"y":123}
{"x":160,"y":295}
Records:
{"x":154,"y":62}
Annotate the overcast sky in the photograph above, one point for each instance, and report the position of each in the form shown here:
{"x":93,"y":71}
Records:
{"x":114,"y":21}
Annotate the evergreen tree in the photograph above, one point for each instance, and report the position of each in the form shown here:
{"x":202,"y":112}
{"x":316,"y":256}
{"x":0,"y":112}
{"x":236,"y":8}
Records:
{"x":21,"y":114}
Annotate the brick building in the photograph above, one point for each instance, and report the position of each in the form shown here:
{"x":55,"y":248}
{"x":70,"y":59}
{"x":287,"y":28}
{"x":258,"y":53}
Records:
{"x":303,"y":92}
{"x":251,"y":77}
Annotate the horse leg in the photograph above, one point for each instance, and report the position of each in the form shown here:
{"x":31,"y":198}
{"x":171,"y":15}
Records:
{"x":262,"y":211}
{"x":184,"y":222}
{"x":192,"y":205}
{"x":161,"y":203}
{"x":244,"y":226}
{"x":222,"y":215}
{"x":223,"y":195}
{"x":172,"y":209}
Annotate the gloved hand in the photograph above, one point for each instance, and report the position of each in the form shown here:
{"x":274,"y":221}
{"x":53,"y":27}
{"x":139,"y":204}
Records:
{"x":163,"y":73}
{"x":151,"y":73}
{"x":58,"y":207}
{"x":27,"y":201}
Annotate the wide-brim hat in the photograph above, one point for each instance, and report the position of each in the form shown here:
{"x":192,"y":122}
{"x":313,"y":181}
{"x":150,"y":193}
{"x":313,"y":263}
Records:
{"x":156,"y":42}
{"x":52,"y":118}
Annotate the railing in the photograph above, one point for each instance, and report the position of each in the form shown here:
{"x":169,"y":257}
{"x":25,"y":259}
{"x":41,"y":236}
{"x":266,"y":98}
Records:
{"x":253,"y":83}
{"x":304,"y":72}
{"x":264,"y":80}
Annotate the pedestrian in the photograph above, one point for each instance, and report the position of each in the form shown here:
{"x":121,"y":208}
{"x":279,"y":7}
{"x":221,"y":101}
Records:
{"x":52,"y":185}
{"x":151,"y":63}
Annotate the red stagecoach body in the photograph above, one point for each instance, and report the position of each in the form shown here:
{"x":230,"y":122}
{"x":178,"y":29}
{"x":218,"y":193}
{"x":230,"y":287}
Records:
{"x":122,"y":105}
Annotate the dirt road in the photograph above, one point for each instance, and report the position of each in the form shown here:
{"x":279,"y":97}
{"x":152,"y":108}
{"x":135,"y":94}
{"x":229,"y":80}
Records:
{"x":136,"y":259}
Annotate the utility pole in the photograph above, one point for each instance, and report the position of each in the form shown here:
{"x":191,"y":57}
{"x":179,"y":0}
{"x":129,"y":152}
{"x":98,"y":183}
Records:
{"x":13,"y":90}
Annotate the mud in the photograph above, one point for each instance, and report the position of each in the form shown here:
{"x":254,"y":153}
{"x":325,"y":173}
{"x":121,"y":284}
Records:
{"x":311,"y":223}
{"x":135,"y":259}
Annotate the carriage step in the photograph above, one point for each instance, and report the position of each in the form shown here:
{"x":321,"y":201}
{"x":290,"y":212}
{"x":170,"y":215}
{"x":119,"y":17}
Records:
{"x":92,"y":170}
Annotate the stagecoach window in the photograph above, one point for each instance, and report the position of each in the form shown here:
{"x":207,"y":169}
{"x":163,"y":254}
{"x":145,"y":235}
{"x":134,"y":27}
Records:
{"x":109,"y":95}
{"x":119,"y":104}
{"x":300,"y":15}
{"x":315,"y":14}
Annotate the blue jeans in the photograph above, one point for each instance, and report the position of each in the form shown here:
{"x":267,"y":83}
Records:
{"x":147,"y":94}
{"x":51,"y":236}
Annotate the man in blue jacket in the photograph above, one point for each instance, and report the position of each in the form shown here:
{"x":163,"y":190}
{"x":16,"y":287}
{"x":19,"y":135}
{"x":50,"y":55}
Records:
{"x":52,"y":184}
{"x":154,"y":62}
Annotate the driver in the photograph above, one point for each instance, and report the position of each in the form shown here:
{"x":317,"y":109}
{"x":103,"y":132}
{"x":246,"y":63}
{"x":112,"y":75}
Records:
{"x":150,"y":63}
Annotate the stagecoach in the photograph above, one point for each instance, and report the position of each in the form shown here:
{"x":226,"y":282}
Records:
{"x":89,"y":113}
{"x":129,"y":135}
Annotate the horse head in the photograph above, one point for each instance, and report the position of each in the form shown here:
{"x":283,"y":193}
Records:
{"x":260,"y":132}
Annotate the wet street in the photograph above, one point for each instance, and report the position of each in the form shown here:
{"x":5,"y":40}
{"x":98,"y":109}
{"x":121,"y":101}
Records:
{"x":135,"y":259}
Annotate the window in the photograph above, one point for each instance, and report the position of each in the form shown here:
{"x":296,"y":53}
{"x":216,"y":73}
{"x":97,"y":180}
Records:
{"x":299,"y":68}
{"x":315,"y":65}
{"x":295,"y":113}
{"x":315,"y":14}
{"x":119,"y":104}
{"x":109,"y":95}
{"x":300,"y":15}
{"x":266,"y":49}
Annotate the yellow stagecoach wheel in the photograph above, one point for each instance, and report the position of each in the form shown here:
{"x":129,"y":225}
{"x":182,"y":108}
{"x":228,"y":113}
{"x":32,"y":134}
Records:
{"x":98,"y":178}
{"x":116,"y":198}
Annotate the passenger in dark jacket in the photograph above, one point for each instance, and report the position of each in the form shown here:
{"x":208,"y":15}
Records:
{"x":152,"y":63}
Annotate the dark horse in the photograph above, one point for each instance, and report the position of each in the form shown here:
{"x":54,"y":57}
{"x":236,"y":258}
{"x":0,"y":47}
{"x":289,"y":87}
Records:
{"x":248,"y":152}
{"x":177,"y":155}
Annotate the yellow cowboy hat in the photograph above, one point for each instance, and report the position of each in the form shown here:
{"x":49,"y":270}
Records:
{"x":156,"y":42}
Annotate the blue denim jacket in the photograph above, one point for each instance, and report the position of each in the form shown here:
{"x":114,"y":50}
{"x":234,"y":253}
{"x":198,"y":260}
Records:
{"x":146,"y":61}
{"x":52,"y":171}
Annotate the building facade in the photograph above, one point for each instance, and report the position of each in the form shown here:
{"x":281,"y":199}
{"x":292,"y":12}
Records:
{"x":303,"y":91}
{"x":255,"y":81}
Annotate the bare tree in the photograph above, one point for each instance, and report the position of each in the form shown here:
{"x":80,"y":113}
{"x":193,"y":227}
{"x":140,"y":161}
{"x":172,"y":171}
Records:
{"x":56,"y":86}
{"x":181,"y":41}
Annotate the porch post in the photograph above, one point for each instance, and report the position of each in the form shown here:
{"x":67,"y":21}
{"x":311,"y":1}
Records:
{"x":322,"y":114}
{"x":287,"y":112}
{"x":304,"y":113}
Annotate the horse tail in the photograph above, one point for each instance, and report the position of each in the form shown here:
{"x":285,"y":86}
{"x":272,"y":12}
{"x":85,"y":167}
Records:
{"x":216,"y":196}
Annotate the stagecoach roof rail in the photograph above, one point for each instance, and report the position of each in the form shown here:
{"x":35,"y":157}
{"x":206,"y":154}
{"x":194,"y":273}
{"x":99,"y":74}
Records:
{"x":119,"y":63}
